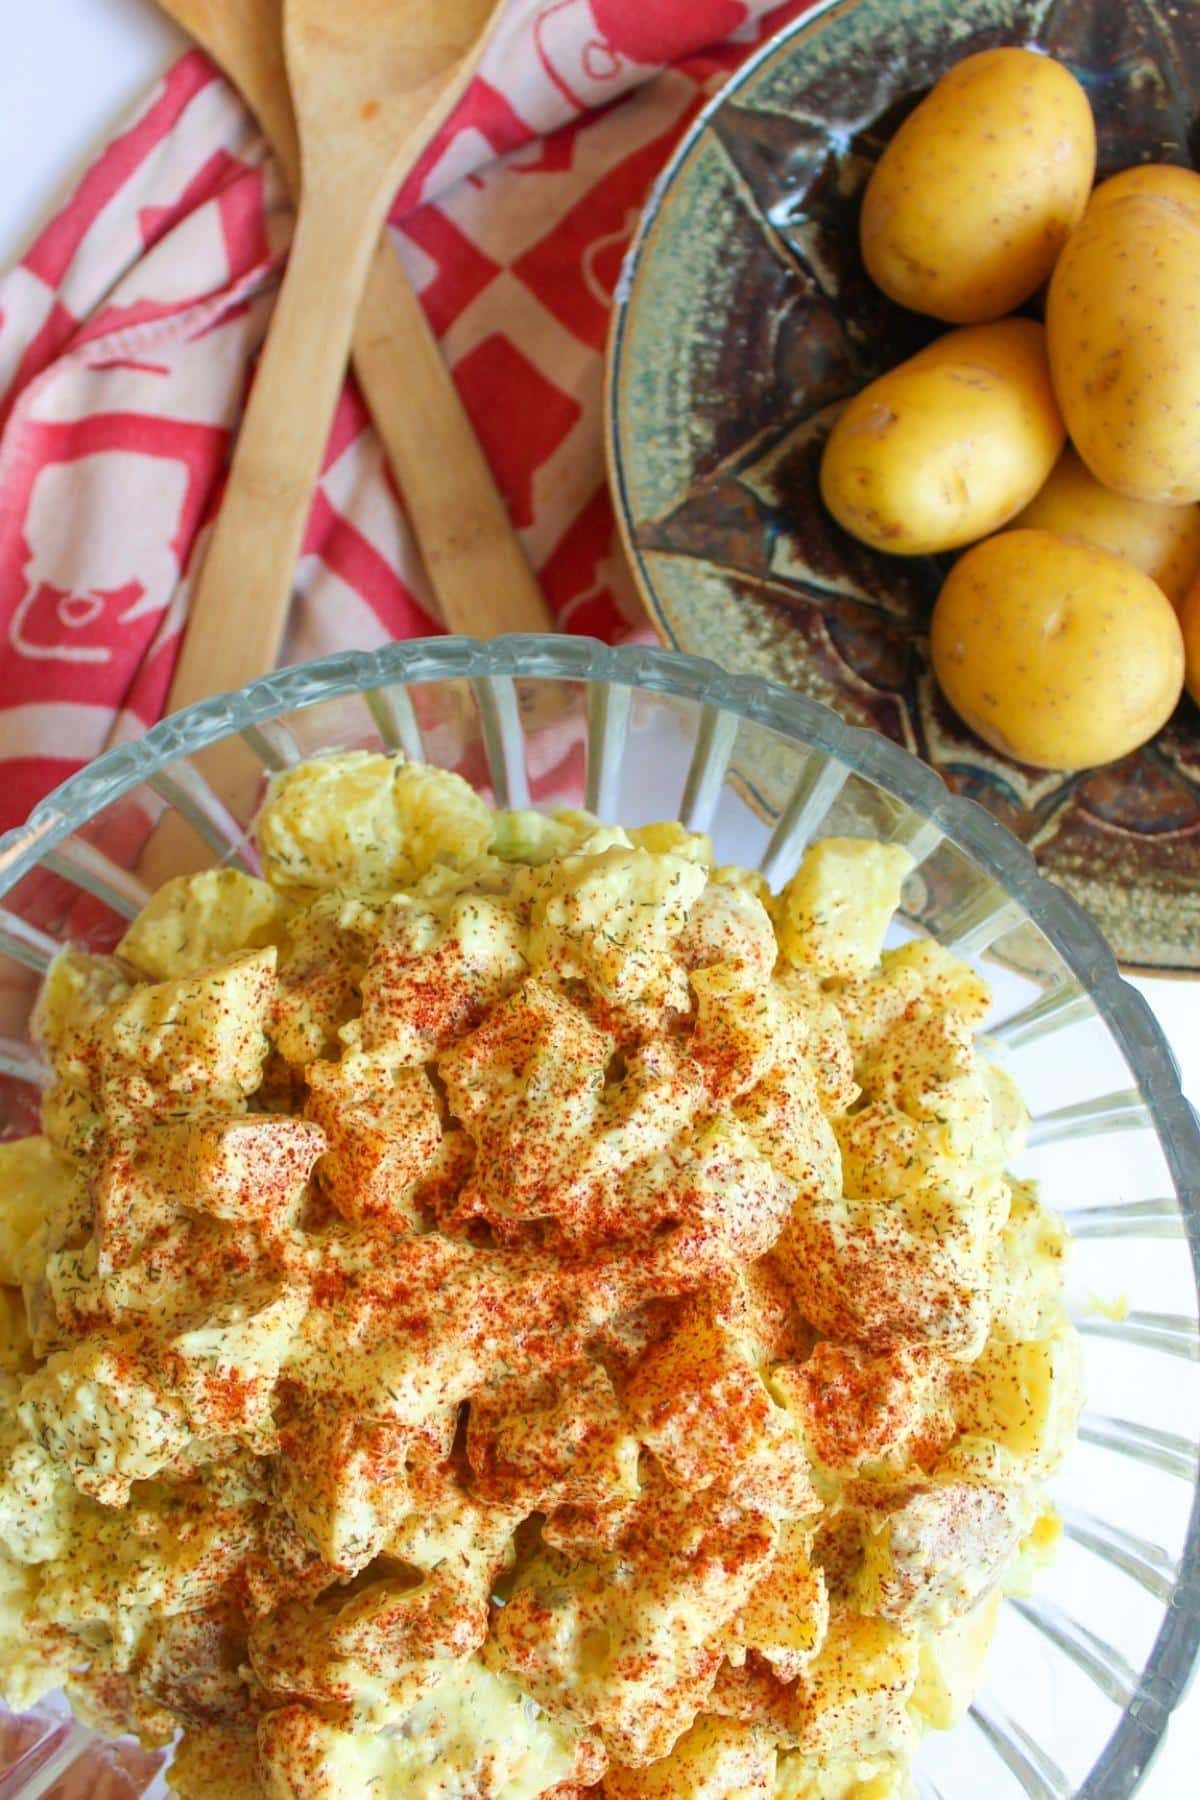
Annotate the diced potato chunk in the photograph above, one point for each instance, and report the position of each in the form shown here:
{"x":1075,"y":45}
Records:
{"x":31,"y":1664}
{"x":1028,"y":1269}
{"x":865,"y":1270}
{"x":610,"y":917}
{"x":787,"y":1615}
{"x":852,"y":1702}
{"x":102,"y":1412}
{"x":228,"y":1366}
{"x":194,"y":921}
{"x":1025,"y":1397}
{"x":367,"y":823}
{"x":37,"y":1500}
{"x":430,"y":978}
{"x":846,"y":1778}
{"x":920,"y":973}
{"x":833,"y":913}
{"x":630,"y":1643}
{"x":854,"y":1408}
{"x":527,"y":1083}
{"x":176,"y":1548}
{"x":383,"y":1129}
{"x":475,"y":1726}
{"x":194,"y":1041}
{"x":321,"y":968}
{"x":698,"y":1402}
{"x":932,"y":1548}
{"x":39,"y":1193}
{"x":742,"y":1032}
{"x":251,"y":1168}
{"x":718,"y":1759}
{"x":534,"y":1054}
{"x":730,"y":1202}
{"x":213,"y":1763}
{"x":951,"y":1664}
{"x":77,"y":989}
{"x":383,"y":1647}
{"x":563,"y":1443}
{"x":731,"y":926}
{"x":782,"y":1113}
{"x":343,"y":1483}
{"x":669,"y":837}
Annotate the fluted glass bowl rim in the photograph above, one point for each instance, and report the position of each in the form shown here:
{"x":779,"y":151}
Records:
{"x":871,"y":756}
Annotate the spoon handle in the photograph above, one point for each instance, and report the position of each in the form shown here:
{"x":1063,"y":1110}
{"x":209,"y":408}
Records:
{"x":472,"y":555}
{"x":240,"y":604}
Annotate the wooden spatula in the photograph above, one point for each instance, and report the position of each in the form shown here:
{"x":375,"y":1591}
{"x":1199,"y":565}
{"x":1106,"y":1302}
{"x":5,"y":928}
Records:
{"x":370,"y":84}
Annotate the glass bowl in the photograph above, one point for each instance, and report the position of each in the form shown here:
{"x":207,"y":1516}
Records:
{"x":1084,"y":1675}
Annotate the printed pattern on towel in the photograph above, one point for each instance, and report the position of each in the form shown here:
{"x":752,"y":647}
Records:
{"x":129,"y":331}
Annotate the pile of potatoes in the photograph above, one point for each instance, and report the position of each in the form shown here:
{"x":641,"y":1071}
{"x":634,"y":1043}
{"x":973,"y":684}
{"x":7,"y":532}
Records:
{"x":1065,"y":639}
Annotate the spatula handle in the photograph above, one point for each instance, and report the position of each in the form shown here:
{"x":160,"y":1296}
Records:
{"x":471,"y":553}
{"x":240,"y":604}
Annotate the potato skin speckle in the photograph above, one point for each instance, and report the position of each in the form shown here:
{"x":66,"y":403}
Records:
{"x":974,"y":197}
{"x":947,"y":446}
{"x":1161,"y":540}
{"x":1056,"y":653}
{"x":1123,"y":331}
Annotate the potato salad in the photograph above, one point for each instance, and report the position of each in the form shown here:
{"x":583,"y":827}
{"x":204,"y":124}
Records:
{"x":503,"y":1306}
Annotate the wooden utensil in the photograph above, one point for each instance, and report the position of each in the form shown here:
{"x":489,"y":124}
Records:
{"x":371,"y":83}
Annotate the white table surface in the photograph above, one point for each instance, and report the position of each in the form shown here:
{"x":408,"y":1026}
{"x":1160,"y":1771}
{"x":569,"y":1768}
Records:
{"x":69,"y":69}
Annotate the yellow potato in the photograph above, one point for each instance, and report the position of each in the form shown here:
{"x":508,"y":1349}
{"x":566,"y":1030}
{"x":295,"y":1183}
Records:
{"x":949,"y":445}
{"x":1170,"y":181}
{"x":1054,"y":652}
{"x":973,"y":199}
{"x":1189,"y":619}
{"x":1123,"y":328}
{"x":1163,"y":541}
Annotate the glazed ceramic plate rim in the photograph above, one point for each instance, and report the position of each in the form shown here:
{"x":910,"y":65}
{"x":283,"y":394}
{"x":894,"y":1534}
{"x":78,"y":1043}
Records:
{"x":617,"y":369}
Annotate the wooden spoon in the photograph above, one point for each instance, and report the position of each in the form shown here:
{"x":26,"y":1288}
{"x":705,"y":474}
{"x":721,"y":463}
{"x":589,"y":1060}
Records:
{"x":371,"y":82}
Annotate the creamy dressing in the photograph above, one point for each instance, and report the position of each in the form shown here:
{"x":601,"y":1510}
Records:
{"x":501,"y":1299}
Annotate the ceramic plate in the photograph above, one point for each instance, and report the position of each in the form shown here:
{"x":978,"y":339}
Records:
{"x":744,"y":320}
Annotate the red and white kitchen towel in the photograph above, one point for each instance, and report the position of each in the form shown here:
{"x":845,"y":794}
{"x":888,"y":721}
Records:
{"x":129,"y":330}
